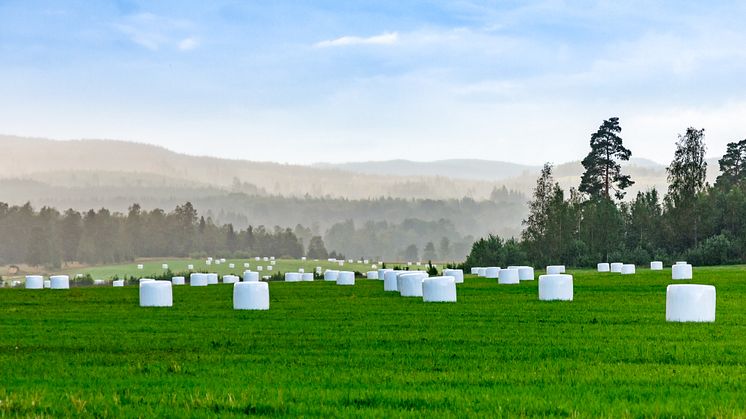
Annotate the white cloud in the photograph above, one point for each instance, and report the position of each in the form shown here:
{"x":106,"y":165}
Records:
{"x":386,"y":38}
{"x":187,"y":44}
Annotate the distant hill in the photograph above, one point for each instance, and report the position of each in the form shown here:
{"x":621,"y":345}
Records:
{"x":473,"y":169}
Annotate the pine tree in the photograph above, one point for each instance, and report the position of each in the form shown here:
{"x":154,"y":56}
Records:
{"x":732,"y":165}
{"x":686,"y":179}
{"x":602,"y":170}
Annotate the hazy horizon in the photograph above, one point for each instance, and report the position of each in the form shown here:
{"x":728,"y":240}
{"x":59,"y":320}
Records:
{"x":359,"y":81}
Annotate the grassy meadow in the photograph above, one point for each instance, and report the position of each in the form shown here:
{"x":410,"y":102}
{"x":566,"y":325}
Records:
{"x":327,"y":350}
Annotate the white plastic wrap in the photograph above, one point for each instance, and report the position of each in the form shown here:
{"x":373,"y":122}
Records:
{"x":230,"y":279}
{"x":492,"y":272}
{"x":59,"y":282}
{"x":330,"y":275}
{"x":441,"y":289}
{"x":156,"y":294}
{"x":34,"y":282}
{"x":681,"y":271}
{"x":249,"y":276}
{"x":555,"y":287}
{"x":656,"y":265}
{"x":457,"y":274}
{"x":372,"y":274}
{"x":178,"y":280}
{"x":616,"y":267}
{"x":628,"y":269}
{"x":346,"y":278}
{"x":198,"y":280}
{"x":307,"y":276}
{"x":252,"y":295}
{"x":690,"y":303}
{"x":293,"y":277}
{"x":410,"y":284}
{"x":603,"y":267}
{"x":508,"y":276}
{"x":555,"y":269}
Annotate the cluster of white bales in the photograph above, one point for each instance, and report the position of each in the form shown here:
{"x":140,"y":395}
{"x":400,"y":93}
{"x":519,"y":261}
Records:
{"x":684,"y":302}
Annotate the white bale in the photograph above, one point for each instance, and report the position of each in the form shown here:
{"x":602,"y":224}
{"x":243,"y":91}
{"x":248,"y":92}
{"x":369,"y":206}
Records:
{"x":656,"y":266}
{"x":555,"y":287}
{"x":272,"y":262}
{"x":198,"y":280}
{"x":212,"y":279}
{"x":319,"y":269}
{"x":360,"y":261}
{"x":603,"y":267}
{"x":301,"y":270}
{"x":209,"y":258}
{"x":257,"y":258}
{"x":190,"y":267}
{"x":265,"y":258}
{"x":374,"y":266}
{"x":439,"y":289}
{"x":271,"y":258}
{"x":259,"y":268}
{"x":683,"y":271}
{"x":303,"y":258}
{"x":140,"y":266}
{"x":251,"y":296}
{"x":156,"y":294}
{"x":525,"y":273}
{"x":346,"y":278}
{"x":34,"y":282}
{"x":508,"y":276}
{"x":410,"y":284}
{"x":307,"y":276}
{"x":681,"y":262}
{"x":341,"y":263}
{"x":222,"y":260}
{"x":99,"y":282}
{"x":475,"y":271}
{"x":409,"y":263}
{"x":249,"y":276}
{"x":390,"y":281}
{"x":178,"y":280}
{"x":217,"y":262}
{"x":59,"y":282}
{"x":616,"y":267}
{"x":628,"y":269}
{"x":47,"y":283}
{"x":372,"y":274}
{"x":366,"y":261}
{"x":555,"y":269}
{"x":492,"y":272}
{"x":330,"y":275}
{"x":349,"y":261}
{"x":117,"y":283}
{"x":208,"y":262}
{"x":246,"y":265}
{"x":164,"y":266}
{"x":269,"y":268}
{"x":481,"y":272}
{"x":690,"y":303}
{"x":293,"y":277}
{"x":230,"y":279}
{"x":231,"y":266}
{"x":457,"y":274}
{"x":143,"y":280}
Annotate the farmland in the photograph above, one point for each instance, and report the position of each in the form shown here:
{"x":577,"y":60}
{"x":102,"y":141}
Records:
{"x":325,"y":350}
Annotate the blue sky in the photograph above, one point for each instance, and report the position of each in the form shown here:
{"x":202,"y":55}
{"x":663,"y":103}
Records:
{"x":308,"y":81}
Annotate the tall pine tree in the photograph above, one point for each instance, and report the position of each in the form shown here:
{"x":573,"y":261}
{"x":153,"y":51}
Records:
{"x":603,"y":173}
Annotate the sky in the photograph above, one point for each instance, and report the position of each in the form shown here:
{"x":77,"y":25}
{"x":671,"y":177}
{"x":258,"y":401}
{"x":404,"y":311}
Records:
{"x":334,"y":81}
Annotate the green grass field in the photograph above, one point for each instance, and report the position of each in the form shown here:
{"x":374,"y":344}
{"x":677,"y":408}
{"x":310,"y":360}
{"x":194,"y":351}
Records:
{"x":326,"y":350}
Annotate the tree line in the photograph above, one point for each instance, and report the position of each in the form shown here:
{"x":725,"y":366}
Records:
{"x":49,"y":237}
{"x":694,"y":221}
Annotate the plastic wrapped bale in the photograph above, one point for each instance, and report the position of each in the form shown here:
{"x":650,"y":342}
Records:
{"x":271,"y":258}
{"x":603,"y":267}
{"x":208,"y":262}
{"x":372,"y":275}
{"x":656,"y":265}
{"x":212,"y":279}
{"x":628,"y":269}
{"x":457,"y":274}
{"x":47,"y":283}
{"x":346,"y":278}
{"x":117,"y":283}
{"x":555,"y":287}
{"x":301,"y":270}
{"x":319,"y":270}
{"x":231,"y":266}
{"x":217,"y":262}
{"x":246,"y":265}
{"x":59,"y":282}
{"x":209,"y":258}
{"x":259,"y":268}
{"x":382,"y":273}
{"x":140,"y":266}
{"x":307,"y":276}
{"x":303,"y":258}
{"x":525,"y":273}
{"x":257,"y":258}
{"x":439,"y":289}
{"x":508,"y":276}
{"x":681,"y":262}
{"x":34,"y":282}
{"x":265,"y":258}
{"x":269,"y":268}
{"x":679,"y":272}
{"x":410,"y":284}
{"x":555,"y":269}
{"x":198,"y":280}
{"x":190,"y":267}
{"x":690,"y":303}
{"x":293,"y":277}
{"x":492,"y":272}
{"x":178,"y":280}
{"x":141,"y":280}
{"x":249,"y":276}
{"x":156,"y":294}
{"x":474,"y":271}
{"x":481,"y":272}
{"x":251,"y":296}
{"x":616,"y":267}
{"x":230,"y":279}
{"x":99,"y":282}
{"x":390,"y":281}
{"x":330,"y":275}
{"x":222,"y":260}
{"x":164,"y":266}
{"x":341,"y":263}
{"x":272,"y":262}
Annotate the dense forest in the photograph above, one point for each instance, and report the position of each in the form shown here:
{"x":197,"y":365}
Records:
{"x":694,"y":221}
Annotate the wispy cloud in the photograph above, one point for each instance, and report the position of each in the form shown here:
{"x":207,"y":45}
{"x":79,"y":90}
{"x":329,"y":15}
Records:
{"x":187,"y":44}
{"x":386,"y":38}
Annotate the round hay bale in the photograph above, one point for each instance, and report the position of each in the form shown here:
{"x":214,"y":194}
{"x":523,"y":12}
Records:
{"x":198,"y":280}
{"x":410,"y":284}
{"x":250,"y":276}
{"x":156,"y":294}
{"x":372,"y":275}
{"x":616,"y":267}
{"x":118,"y":283}
{"x":681,"y":272}
{"x":212,"y":279}
{"x":293,"y":277}
{"x":251,"y":296}
{"x":555,"y":287}
{"x":493,"y":272}
{"x":439,"y":289}
{"x":59,"y":282}
{"x":508,"y":276}
{"x":555,"y":269}
{"x":307,"y":276}
{"x":525,"y":273}
{"x":603,"y":267}
{"x":656,"y":265}
{"x":34,"y":282}
{"x":346,"y":278}
{"x":230,"y":279}
{"x":628,"y":269}
{"x":457,"y":274}
{"x":331,"y":275}
{"x":690,"y":303}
